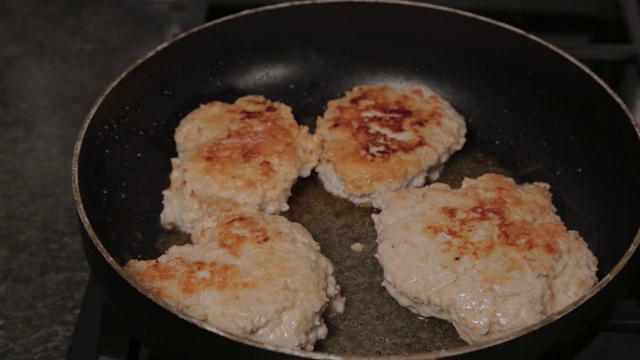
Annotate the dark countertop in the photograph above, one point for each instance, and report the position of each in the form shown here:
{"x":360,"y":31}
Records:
{"x":56,"y":58}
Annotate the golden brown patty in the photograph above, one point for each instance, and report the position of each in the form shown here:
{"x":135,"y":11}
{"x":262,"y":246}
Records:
{"x":491,"y":257}
{"x":248,"y":273}
{"x":377,"y":139}
{"x":251,"y":151}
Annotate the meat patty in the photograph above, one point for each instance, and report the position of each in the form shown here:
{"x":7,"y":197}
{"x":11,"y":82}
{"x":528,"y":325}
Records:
{"x":491,"y":257}
{"x":377,"y":139}
{"x":248,"y":273}
{"x":251,"y":151}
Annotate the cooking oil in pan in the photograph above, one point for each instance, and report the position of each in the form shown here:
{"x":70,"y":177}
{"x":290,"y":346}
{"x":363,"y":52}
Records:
{"x":373,"y":323}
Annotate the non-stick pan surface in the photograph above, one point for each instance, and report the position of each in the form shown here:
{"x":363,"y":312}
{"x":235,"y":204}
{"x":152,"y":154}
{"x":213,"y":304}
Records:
{"x":532,"y":113}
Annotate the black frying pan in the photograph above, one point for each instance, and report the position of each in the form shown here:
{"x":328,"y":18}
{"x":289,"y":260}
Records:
{"x":532,"y":113}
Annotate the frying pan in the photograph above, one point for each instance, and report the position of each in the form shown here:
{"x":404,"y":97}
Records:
{"x":532,"y":113}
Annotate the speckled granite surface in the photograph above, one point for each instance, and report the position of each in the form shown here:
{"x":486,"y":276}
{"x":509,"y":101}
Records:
{"x":56,"y":58}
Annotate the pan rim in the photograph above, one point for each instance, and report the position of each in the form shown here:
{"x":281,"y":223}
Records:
{"x":86,"y":223}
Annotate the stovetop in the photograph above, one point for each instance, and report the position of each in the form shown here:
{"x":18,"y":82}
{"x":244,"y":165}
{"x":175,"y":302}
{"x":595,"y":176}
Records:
{"x":604,"y":35}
